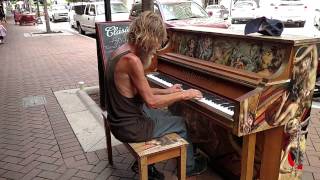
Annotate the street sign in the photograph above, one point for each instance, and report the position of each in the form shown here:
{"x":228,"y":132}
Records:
{"x":110,"y":36}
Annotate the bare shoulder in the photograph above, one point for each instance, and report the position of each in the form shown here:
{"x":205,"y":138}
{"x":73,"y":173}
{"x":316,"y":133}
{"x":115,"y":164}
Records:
{"x":133,"y":60}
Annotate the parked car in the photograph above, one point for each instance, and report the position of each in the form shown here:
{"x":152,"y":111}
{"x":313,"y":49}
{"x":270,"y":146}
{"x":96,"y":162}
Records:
{"x":76,"y":8}
{"x":317,"y":18}
{"x":287,"y":11}
{"x":181,"y":13}
{"x":243,"y":11}
{"x":253,"y":1}
{"x":94,"y":12}
{"x":217,"y":11}
{"x":58,"y":13}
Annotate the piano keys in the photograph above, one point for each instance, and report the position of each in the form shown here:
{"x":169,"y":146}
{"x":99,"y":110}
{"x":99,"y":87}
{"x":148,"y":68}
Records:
{"x":211,"y":100}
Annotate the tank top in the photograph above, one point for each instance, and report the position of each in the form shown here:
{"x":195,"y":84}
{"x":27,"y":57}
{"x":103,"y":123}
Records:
{"x":127,"y":120}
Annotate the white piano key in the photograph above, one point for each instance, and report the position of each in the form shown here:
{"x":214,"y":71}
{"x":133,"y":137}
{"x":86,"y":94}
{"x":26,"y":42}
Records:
{"x":151,"y":76}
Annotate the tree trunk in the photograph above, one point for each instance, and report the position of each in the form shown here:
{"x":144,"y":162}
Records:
{"x":46,"y":17}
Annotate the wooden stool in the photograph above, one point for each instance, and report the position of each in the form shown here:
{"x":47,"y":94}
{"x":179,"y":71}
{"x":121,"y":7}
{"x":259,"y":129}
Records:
{"x":166,"y":147}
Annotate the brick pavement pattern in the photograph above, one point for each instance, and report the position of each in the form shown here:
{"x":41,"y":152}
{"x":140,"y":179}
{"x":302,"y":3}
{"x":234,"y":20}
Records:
{"x":38,"y":142}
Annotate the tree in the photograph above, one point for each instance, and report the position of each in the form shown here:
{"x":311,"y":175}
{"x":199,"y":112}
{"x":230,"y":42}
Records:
{"x":46,"y":17}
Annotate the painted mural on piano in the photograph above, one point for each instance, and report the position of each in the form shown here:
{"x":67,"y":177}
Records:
{"x":264,"y":59}
{"x":294,"y":110}
{"x":289,"y":106}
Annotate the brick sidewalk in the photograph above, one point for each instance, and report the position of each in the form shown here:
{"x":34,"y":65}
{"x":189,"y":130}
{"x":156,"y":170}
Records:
{"x":312,"y":161}
{"x":37,"y":142}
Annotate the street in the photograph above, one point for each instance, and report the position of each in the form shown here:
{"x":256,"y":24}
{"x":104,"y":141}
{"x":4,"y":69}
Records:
{"x":308,"y":30}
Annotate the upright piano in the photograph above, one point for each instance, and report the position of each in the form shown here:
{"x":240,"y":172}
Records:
{"x":257,"y":90}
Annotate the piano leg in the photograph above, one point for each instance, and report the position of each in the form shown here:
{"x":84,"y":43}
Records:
{"x":271,"y":157}
{"x":247,"y":160}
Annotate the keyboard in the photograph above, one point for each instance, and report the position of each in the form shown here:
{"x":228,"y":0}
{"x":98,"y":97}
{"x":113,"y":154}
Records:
{"x":214,"y":101}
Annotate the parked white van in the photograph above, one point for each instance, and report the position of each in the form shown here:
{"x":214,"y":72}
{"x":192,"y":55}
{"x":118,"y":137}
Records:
{"x":94,"y":12}
{"x":75,"y":8}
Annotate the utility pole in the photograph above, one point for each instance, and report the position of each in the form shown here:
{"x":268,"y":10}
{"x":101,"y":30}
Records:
{"x":107,"y":9}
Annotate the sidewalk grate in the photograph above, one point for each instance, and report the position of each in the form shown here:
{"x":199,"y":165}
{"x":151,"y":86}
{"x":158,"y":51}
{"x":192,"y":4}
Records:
{"x":31,"y":101}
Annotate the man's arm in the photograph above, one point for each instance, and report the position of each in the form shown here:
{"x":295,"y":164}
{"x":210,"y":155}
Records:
{"x":172,"y":89}
{"x":136,"y":74}
{"x":158,"y":91}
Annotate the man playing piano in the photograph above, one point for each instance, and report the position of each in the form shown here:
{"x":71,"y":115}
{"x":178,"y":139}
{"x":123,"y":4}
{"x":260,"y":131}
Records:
{"x":134,"y":108}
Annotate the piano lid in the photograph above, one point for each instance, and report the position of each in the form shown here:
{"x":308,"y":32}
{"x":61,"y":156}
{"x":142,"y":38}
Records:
{"x":284,"y":38}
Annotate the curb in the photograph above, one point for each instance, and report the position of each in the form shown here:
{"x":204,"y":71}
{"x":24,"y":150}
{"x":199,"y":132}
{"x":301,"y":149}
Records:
{"x":89,"y":103}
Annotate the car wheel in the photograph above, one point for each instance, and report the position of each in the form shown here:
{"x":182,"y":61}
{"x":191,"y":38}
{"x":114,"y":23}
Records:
{"x":316,"y":93}
{"x":301,"y":24}
{"x":80,"y":29}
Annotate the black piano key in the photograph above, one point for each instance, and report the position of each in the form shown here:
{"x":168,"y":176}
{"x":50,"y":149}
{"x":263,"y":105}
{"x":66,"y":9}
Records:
{"x":219,"y":101}
{"x":216,"y":100}
{"x":210,"y":96}
{"x":225,"y":104}
{"x":166,"y":78}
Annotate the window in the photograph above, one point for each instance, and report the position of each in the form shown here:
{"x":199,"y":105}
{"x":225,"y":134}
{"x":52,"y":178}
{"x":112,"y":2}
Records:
{"x":79,"y":9}
{"x":137,"y":10}
{"x":182,"y":10}
{"x":87,"y":9}
{"x":92,"y":9}
{"x":118,"y":8}
{"x":115,"y":8}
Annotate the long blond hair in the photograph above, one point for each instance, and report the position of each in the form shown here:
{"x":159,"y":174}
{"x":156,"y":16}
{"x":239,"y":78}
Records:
{"x":147,"y":31}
